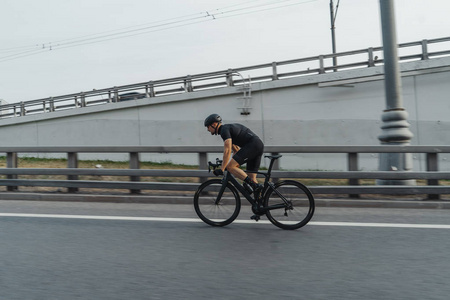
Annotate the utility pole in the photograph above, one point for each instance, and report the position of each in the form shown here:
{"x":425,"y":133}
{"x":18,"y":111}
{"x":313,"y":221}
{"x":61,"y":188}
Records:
{"x":333,"y":36}
{"x":395,"y":128}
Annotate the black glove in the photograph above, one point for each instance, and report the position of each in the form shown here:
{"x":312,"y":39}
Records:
{"x":218,"y":172}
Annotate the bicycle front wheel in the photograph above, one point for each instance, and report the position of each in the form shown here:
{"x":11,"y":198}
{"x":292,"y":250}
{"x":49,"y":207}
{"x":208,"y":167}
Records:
{"x":217,"y":206}
{"x":296,"y":204}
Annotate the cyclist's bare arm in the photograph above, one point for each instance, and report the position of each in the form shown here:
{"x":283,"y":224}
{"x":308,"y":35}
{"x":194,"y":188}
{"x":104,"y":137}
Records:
{"x":227,"y":150}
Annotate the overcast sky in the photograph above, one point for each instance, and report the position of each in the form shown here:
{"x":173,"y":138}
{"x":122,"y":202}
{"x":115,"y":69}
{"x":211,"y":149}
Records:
{"x":103,"y":43}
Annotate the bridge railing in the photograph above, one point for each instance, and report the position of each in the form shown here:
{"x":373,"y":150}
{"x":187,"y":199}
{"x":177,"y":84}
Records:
{"x":321,"y":64}
{"x":134,"y":173}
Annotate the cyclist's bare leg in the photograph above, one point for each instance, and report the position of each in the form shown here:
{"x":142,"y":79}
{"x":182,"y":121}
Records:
{"x":233,"y":168}
{"x":253,"y":177}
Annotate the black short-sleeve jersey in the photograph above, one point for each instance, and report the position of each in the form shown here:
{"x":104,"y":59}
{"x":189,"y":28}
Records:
{"x":240,"y":134}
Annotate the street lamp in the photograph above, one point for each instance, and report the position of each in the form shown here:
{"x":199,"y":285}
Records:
{"x":333,"y":15}
{"x":395,"y":128}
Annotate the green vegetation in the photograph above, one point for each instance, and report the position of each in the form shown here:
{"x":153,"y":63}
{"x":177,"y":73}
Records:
{"x":33,"y":162}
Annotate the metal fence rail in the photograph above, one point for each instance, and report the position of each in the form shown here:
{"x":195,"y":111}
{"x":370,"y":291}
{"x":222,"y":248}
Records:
{"x":134,"y":173}
{"x":264,"y":72}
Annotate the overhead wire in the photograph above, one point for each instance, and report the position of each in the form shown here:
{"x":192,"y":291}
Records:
{"x":177,"y":20}
{"x":37,"y":46}
{"x":148,"y":29}
{"x":264,"y":9}
{"x":206,"y":16}
{"x":104,"y":39}
{"x":255,"y":6}
{"x":13,"y":49}
{"x":163,"y":24}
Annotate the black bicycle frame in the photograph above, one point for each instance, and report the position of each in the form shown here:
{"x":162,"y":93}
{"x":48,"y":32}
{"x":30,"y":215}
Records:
{"x":230,"y":178}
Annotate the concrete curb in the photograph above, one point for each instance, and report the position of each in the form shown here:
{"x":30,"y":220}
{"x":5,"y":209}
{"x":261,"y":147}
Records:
{"x":183,"y":199}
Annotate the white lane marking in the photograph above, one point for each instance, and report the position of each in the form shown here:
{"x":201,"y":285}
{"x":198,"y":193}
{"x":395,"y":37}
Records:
{"x":88,"y":217}
{"x":196,"y":220}
{"x":389,"y":225}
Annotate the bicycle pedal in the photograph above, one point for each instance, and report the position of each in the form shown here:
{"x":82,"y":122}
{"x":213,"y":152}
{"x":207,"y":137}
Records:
{"x":255,"y":217}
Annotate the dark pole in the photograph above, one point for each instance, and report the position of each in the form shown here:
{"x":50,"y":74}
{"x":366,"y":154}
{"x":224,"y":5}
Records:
{"x":395,"y":128}
{"x":333,"y":36}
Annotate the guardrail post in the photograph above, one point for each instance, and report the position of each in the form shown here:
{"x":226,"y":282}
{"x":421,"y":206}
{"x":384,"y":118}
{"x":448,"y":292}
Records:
{"x":371,"y":60}
{"x":188,"y":84}
{"x":116,"y":95}
{"x":11,"y":162}
{"x":72,"y":162}
{"x":230,"y":77}
{"x":432,"y":166}
{"x":274,"y":71}
{"x":150,"y":89}
{"x":22,"y":109}
{"x":321,"y":64}
{"x":83,"y":100}
{"x":135,"y":164}
{"x":353,"y":166}
{"x":424,"y":49}
{"x":52,"y":104}
{"x":203,"y":164}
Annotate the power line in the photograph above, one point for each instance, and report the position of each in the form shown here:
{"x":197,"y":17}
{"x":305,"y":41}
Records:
{"x":100,"y":37}
{"x":163,"y":24}
{"x":99,"y":34}
{"x":220,"y":13}
{"x":14,"y":49}
{"x":104,"y":39}
{"x":121,"y":30}
{"x":206,"y":16}
{"x":265,"y":9}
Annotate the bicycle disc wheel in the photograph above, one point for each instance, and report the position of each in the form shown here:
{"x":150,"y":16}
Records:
{"x":213,"y":211}
{"x":298,"y":210}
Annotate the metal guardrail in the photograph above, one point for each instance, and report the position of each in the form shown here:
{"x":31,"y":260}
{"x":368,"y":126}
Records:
{"x":274,"y":71}
{"x":433,"y":189}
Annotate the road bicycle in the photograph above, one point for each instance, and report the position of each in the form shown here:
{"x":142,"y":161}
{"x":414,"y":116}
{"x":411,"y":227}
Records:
{"x":287,"y":204}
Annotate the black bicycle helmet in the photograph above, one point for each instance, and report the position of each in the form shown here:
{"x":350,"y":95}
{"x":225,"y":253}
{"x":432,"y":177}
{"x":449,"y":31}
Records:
{"x":212,"y":119}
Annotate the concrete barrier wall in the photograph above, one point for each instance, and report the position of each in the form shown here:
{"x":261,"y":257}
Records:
{"x":341,"y":108}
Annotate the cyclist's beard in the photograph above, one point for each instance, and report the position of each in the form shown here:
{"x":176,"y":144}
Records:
{"x":215,"y":130}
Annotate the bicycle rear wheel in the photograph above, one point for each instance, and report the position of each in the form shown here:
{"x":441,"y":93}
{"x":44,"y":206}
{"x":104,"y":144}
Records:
{"x":214,"y":211}
{"x":298,"y":210}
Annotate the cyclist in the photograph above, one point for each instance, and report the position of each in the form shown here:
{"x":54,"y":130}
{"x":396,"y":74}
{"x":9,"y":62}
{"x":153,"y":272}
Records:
{"x":246,"y":146}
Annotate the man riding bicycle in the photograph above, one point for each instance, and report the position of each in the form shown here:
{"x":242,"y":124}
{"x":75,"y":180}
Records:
{"x":246,"y":146}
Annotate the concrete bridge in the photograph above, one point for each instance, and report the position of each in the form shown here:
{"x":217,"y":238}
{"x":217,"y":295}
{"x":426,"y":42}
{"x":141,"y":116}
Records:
{"x":299,"y":102}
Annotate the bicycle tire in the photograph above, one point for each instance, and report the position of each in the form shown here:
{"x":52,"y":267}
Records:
{"x":301,"y":211}
{"x":221,"y":214}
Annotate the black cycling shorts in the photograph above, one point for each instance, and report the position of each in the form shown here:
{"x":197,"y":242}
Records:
{"x":251,"y":154}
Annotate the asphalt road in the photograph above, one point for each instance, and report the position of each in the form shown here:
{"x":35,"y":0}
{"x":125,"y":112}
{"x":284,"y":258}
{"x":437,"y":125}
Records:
{"x":53,"y":250}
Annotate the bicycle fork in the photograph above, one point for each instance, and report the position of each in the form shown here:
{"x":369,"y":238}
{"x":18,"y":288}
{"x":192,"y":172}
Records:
{"x":222,"y":189}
